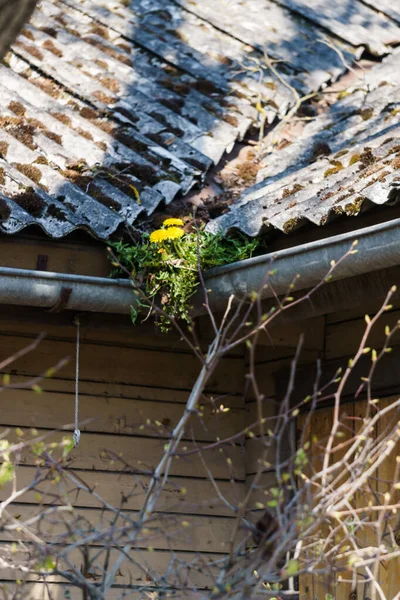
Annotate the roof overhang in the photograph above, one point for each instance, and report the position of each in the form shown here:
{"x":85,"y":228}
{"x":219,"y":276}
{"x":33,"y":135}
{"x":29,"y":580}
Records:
{"x":378,"y":249}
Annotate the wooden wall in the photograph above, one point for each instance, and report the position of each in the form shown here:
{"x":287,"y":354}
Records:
{"x":337,"y":585}
{"x":343,"y":333}
{"x":129,"y":378}
{"x":75,"y":254}
{"x":274,"y":355}
{"x":333,"y":338}
{"x":129,"y":375}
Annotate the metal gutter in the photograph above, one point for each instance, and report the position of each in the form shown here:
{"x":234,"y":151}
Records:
{"x":378,"y":248}
{"x":59,"y":291}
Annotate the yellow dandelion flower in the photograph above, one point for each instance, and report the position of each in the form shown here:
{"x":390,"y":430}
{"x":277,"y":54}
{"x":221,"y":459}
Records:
{"x":159,"y":235}
{"x":171,"y":222}
{"x":173,"y":233}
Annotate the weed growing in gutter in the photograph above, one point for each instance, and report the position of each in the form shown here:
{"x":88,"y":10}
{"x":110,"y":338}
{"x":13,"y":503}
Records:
{"x":166,"y":264}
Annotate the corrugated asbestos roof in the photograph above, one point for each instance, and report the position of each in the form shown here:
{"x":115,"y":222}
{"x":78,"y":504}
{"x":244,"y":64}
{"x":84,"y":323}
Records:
{"x":110,"y":109}
{"x":358,"y":143}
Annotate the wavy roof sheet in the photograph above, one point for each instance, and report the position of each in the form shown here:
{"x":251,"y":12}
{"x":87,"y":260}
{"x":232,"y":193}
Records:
{"x":358,"y":140}
{"x":111,"y":109}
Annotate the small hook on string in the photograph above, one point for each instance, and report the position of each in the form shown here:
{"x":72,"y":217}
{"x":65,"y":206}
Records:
{"x":77,"y":434}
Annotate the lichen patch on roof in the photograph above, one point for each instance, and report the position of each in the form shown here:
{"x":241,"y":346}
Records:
{"x":346,"y":160}
{"x":110,"y":110}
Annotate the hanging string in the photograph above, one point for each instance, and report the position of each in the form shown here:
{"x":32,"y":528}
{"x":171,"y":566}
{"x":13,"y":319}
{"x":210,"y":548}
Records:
{"x":77,"y":433}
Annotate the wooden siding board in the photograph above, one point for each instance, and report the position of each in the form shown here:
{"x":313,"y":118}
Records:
{"x":269,"y":409}
{"x":254,"y":450}
{"x":113,"y":389}
{"x":287,"y":335}
{"x":265,"y":375}
{"x":104,"y":329}
{"x":386,"y":377}
{"x":369,"y":307}
{"x":303,"y":434}
{"x":190,"y":569}
{"x":259,"y":491}
{"x":141,"y":454}
{"x":367,"y":536}
{"x":199,"y":498}
{"x":143,"y":367}
{"x":345,"y":295}
{"x":346,"y":413}
{"x":54,"y":591}
{"x":202,"y":534}
{"x":73,"y":258}
{"x":345,"y":337}
{"x":320,"y":426}
{"x":119,"y":415}
{"x":389,"y":571}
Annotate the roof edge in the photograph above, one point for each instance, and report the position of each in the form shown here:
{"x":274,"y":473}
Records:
{"x":378,"y":248}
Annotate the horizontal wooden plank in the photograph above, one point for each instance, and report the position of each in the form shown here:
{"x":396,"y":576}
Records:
{"x":265,"y":354}
{"x":121,"y":390}
{"x":26,"y":408}
{"x":57,"y":592}
{"x":389,"y":571}
{"x":260,"y":456}
{"x":344,"y":338}
{"x":269,"y":410}
{"x":280,"y":340}
{"x":266,"y":372}
{"x":265,"y":376}
{"x":263,"y":453}
{"x":386,"y":380}
{"x":62,"y":256}
{"x":103,"y":329}
{"x":178,"y":569}
{"x":260,"y":489}
{"x":254,"y":447}
{"x":37,"y":591}
{"x":163,"y":531}
{"x":344,"y":295}
{"x":180,"y":495}
{"x":54,"y":591}
{"x":133,"y":366}
{"x":102,"y":452}
{"x":354,"y":313}
{"x":111,"y":389}
{"x":287,"y":335}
